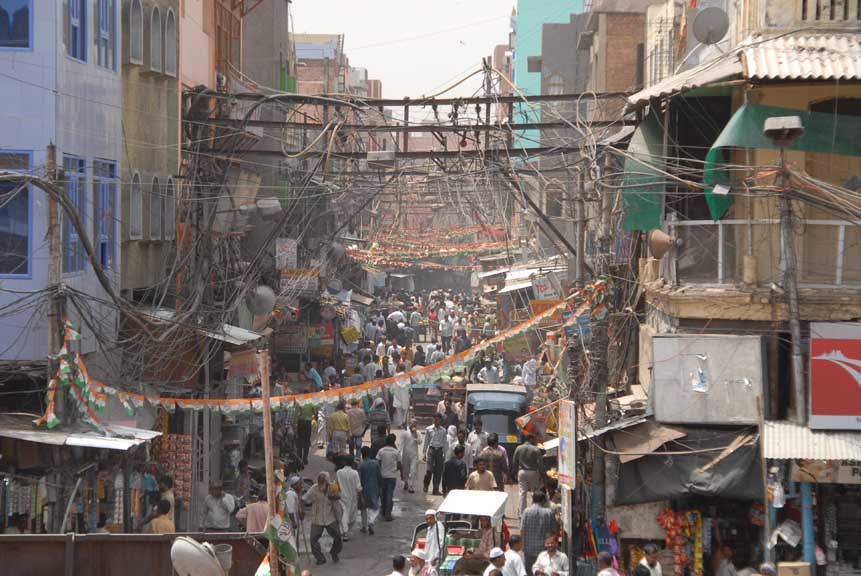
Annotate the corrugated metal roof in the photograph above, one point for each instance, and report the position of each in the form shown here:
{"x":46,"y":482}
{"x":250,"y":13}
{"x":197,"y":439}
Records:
{"x":513,"y":287}
{"x":725,"y":67}
{"x":803,"y":57}
{"x":788,"y":441}
{"x":122,"y":438}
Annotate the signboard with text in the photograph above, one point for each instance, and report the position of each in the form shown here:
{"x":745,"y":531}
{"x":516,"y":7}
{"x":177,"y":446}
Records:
{"x":567,"y":443}
{"x":286,"y":253}
{"x":298,"y":281}
{"x":537,"y":307}
{"x":826,"y":472}
{"x":835,"y":375}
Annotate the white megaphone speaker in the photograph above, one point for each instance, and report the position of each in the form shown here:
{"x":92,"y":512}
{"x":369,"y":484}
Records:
{"x":191,"y":558}
{"x":660,"y":243}
{"x":261,"y":300}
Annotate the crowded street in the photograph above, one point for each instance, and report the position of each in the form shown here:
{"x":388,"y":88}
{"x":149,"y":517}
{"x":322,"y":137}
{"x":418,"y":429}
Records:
{"x":450,"y":288}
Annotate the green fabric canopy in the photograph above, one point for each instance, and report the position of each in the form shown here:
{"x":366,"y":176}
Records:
{"x":643,"y":182}
{"x":823,"y":132}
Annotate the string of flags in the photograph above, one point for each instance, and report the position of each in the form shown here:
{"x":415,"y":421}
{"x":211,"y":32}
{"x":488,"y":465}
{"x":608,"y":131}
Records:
{"x":92,"y":395}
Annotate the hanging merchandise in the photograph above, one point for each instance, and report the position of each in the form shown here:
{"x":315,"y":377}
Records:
{"x":684,"y":539}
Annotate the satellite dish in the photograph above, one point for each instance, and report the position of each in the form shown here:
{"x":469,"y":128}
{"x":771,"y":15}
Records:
{"x":711,"y":25}
{"x":191,"y":558}
{"x":261,"y":301}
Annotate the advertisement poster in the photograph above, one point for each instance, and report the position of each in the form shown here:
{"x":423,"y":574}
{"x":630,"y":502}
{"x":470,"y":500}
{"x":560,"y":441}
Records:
{"x":291,"y":339}
{"x":537,"y":307}
{"x":300,"y":280}
{"x":286,"y":253}
{"x":567,"y":443}
{"x":243,"y":364}
{"x":835,"y":375}
{"x":543,"y":288}
{"x":321,"y":339}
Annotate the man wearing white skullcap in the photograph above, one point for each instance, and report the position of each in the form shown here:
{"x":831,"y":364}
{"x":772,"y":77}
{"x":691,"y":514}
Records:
{"x":435,"y":537}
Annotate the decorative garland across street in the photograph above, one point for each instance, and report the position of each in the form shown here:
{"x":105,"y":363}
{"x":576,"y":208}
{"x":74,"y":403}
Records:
{"x":92,"y":395}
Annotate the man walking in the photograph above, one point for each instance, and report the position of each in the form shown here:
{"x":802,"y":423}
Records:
{"x":434,"y":453}
{"x":496,"y":458}
{"x":475,"y":443}
{"x":358,"y":425}
{"x":446,"y":328}
{"x":303,"y":431}
{"x":481,"y":478}
{"x":372,"y":480}
{"x":513,"y":559}
{"x":323,"y":517}
{"x":339,"y":429}
{"x":390,"y":461}
{"x":454,"y":473}
{"x":527,"y":464}
{"x":535,"y":524}
{"x":409,"y":443}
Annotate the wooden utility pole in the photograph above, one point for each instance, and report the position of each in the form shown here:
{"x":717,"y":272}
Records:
{"x":57,"y":309}
{"x":268,"y":455}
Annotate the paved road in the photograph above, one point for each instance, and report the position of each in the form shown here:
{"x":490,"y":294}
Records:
{"x":370,"y":555}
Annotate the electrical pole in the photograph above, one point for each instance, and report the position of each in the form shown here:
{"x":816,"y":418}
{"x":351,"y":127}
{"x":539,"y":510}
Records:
{"x":791,"y":286}
{"x":56,"y":315}
{"x":268,"y":455}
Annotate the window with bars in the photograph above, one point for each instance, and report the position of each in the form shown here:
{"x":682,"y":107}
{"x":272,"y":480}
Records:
{"x":76,"y":43}
{"x":136,"y":208}
{"x":75,"y":183}
{"x":170,"y":210}
{"x":155,"y":210}
{"x":155,"y":39}
{"x":104,"y":207}
{"x":14,"y":217}
{"x":105,"y":42}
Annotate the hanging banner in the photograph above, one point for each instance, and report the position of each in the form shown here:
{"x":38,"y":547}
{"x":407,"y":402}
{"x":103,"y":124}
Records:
{"x":286,"y":253}
{"x":544,"y":289}
{"x":243,"y":364}
{"x":835,"y":375}
{"x":567,"y":444}
{"x":305,"y":281}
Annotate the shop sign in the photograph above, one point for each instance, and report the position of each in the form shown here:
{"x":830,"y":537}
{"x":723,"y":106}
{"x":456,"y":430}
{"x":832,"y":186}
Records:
{"x":826,"y":472}
{"x":543,"y":288}
{"x":321,"y":335}
{"x":300,"y":280}
{"x":537,"y":307}
{"x":567,"y":443}
{"x":243,"y":364}
{"x":835,"y":375}
{"x":291,"y":339}
{"x":286,"y":253}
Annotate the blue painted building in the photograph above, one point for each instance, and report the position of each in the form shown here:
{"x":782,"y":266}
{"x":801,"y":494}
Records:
{"x":531,"y":16}
{"x":60,"y":76}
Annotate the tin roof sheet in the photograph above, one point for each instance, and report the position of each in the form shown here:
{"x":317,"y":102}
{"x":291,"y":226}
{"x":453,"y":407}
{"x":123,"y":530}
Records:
{"x":803,"y":57}
{"x":788,"y":441}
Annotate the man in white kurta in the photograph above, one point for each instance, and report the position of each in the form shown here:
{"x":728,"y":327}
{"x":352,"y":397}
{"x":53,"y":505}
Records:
{"x":350,"y":485}
{"x":401,"y":403}
{"x":409,"y":443}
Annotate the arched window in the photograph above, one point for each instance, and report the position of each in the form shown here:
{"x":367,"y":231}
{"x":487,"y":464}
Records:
{"x":136,"y":33}
{"x":136,"y":209}
{"x":169,"y":210}
{"x":155,"y":215}
{"x":155,"y":40}
{"x":170,"y":43}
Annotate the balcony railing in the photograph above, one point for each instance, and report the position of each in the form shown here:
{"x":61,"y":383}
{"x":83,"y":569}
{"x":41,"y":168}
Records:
{"x":828,"y":252}
{"x":828,"y":11}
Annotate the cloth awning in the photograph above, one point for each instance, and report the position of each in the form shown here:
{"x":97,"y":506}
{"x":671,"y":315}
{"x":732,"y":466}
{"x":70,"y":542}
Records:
{"x":643,"y":181}
{"x":122,"y":438}
{"x":475,"y":503}
{"x":789,"y":441}
{"x":823,"y":132}
{"x":515,"y":286}
{"x":707,"y":462}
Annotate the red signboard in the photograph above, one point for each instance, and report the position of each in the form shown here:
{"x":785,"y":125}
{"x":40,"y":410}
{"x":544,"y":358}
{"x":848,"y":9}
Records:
{"x":835,"y":375}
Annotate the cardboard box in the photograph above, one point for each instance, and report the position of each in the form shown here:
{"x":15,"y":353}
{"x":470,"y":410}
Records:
{"x":793,"y":569}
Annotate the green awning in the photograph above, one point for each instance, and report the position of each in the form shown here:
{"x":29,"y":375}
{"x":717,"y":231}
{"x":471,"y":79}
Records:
{"x":823,"y":132}
{"x":643,"y":182}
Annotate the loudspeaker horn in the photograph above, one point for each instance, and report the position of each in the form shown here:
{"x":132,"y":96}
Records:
{"x":660,"y":243}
